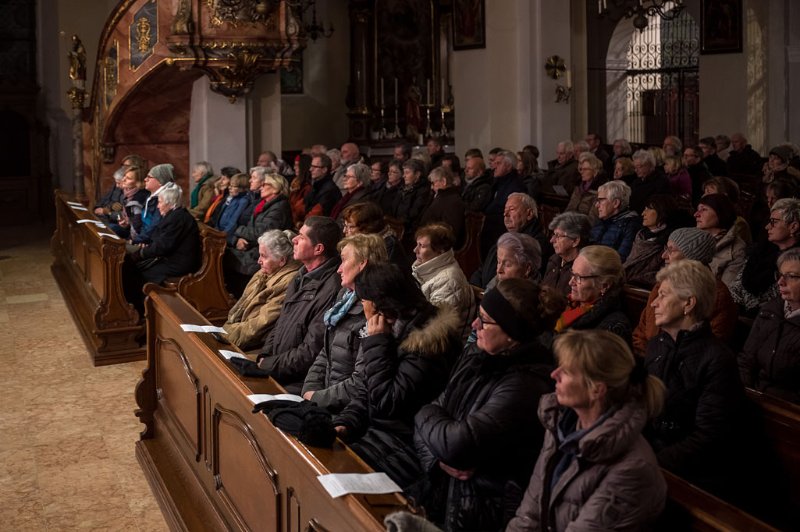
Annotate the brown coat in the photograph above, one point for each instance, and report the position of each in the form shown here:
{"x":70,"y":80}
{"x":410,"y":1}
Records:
{"x":616,"y":483}
{"x":723,"y":319}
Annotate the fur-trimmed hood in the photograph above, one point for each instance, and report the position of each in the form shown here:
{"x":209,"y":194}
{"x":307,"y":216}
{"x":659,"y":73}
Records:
{"x":435,"y":336}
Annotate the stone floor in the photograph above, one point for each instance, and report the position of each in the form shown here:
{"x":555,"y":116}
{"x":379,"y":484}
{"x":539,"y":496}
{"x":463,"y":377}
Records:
{"x":67,"y":429}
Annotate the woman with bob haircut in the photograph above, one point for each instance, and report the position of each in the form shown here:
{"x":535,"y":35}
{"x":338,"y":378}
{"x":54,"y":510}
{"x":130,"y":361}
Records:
{"x":367,"y":218}
{"x":596,"y":471}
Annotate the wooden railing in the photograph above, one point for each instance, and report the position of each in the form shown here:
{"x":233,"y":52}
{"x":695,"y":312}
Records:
{"x":211,"y":462}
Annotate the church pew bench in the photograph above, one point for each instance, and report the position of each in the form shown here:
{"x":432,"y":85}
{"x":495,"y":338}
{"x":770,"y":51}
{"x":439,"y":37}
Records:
{"x":469,"y":256}
{"x":214,"y":465}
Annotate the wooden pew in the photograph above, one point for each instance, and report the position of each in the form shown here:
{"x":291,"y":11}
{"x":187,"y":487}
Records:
{"x":88,"y":270}
{"x":469,"y":257}
{"x":211,"y":462}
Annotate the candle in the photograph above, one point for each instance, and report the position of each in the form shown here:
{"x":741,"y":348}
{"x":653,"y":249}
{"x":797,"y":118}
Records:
{"x":599,"y":7}
{"x":569,"y":78}
{"x":428,"y":85}
{"x":381,"y":93}
{"x":396,"y":100}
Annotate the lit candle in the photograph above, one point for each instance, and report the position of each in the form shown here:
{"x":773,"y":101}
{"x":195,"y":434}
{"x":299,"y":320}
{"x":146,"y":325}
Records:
{"x":428,"y":85}
{"x":381,"y":93}
{"x":396,"y":100}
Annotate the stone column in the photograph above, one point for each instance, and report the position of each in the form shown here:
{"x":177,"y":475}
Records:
{"x":76,"y":97}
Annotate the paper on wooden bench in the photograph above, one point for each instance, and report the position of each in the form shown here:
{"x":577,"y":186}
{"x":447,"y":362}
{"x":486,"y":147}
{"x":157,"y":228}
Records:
{"x":74,"y":204}
{"x":112,"y":235}
{"x":261,"y":397}
{"x":231,"y":354}
{"x":98,"y":223}
{"x":79,"y":207}
{"x":371,"y":483}
{"x":188,"y":327}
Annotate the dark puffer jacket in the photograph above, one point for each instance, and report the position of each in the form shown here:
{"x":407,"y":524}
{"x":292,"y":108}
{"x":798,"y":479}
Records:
{"x":401,"y":373}
{"x":276,"y":214}
{"x":617,"y":232}
{"x":694,"y":437}
{"x":616,"y":483}
{"x":484,"y":422}
{"x":770,"y":361}
{"x":606,"y":314}
{"x":297,"y":337}
{"x":334,"y":374}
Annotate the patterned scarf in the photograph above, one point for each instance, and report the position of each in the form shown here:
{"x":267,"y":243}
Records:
{"x":334,"y":314}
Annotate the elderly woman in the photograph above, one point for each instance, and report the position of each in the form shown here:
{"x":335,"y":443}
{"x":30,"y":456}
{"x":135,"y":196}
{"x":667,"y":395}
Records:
{"x":409,"y":349}
{"x":367,"y":218}
{"x":618,"y":224}
{"x":134,"y":196}
{"x":439,"y":275}
{"x":387,"y":194}
{"x":695,"y":435}
{"x":173,"y":251}
{"x":623,"y":170}
{"x":332,"y":380}
{"x":203,"y":192}
{"x":519,"y":256}
{"x":446,"y":205}
{"x":412,"y":198}
{"x":594,"y":452}
{"x":693,"y":244}
{"x":254,"y":315}
{"x":596,"y":293}
{"x":649,"y":180}
{"x":680,"y":183}
{"x":770,"y":361}
{"x":645,"y":259}
{"x":584,"y":196}
{"x":271,"y":212}
{"x":621,"y":148}
{"x":231,"y":209}
{"x":755,"y":284}
{"x":355,"y":183}
{"x":477,"y":441}
{"x":220,"y":193}
{"x":570,"y":232}
{"x":716,"y":215}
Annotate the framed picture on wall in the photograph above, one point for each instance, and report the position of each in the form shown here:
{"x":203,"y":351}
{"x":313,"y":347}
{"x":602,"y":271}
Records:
{"x":469,"y":24}
{"x":292,"y":78}
{"x":721,"y":27}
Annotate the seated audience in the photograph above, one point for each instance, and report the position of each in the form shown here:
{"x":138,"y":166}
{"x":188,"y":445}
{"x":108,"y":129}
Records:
{"x":439,"y":275}
{"x":743,"y":159}
{"x":257,"y":174}
{"x":377,"y":179}
{"x":623,"y":170}
{"x":622,"y":149}
{"x":755,"y":284}
{"x":255,"y":313}
{"x":387,"y":195}
{"x":159,"y":177}
{"x":518,"y":257}
{"x":220,"y":193}
{"x":477,"y":185}
{"x":133,"y":201}
{"x":562,"y":172}
{"x":696,"y":435}
{"x":367,"y":218}
{"x":672,"y":145}
{"x":596,"y":294}
{"x":446,"y":206}
{"x":231,"y":208}
{"x":659,"y":217}
{"x":584,"y":197}
{"x":299,"y":187}
{"x":412,"y":199}
{"x":296,"y":339}
{"x":109,"y":207}
{"x":477,"y":442}
{"x":717,"y":167}
{"x":409,"y":349}
{"x":173,"y":249}
{"x":649,"y":180}
{"x":506,"y":181}
{"x":324,"y":193}
{"x":354,"y":182}
{"x":595,"y":471}
{"x":203,"y":192}
{"x":770,"y":360}
{"x":680,"y":184}
{"x":618,"y":224}
{"x":528,"y":169}
{"x":693,"y":159}
{"x":332,"y":379}
{"x":716,"y":215}
{"x":777,"y":166}
{"x":693,"y":244}
{"x":272,"y":212}
{"x":723,"y":143}
{"x":570,"y":232}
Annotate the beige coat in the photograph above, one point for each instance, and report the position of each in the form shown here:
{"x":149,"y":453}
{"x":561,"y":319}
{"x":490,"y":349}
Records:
{"x":729,"y":258}
{"x":252,"y":317}
{"x":204,"y":198}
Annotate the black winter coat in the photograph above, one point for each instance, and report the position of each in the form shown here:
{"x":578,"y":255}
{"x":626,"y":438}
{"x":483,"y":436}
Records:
{"x":175,"y":241}
{"x":297,"y":337}
{"x":276,"y":214}
{"x":409,"y":205}
{"x":606,"y":314}
{"x":323,"y":196}
{"x":478,"y":193}
{"x":401,"y":373}
{"x":770,"y":361}
{"x":484,"y":421}
{"x":493,"y":225}
{"x":447,"y":207}
{"x":695,"y":435}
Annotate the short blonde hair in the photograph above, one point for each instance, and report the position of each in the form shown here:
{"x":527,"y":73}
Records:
{"x":278,"y":182}
{"x":690,"y":278}
{"x":366,"y":247}
{"x":605,"y":264}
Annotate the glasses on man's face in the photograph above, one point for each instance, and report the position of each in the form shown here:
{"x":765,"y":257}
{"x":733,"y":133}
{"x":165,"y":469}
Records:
{"x":787,"y":277}
{"x":579,"y":279}
{"x":317,"y":166}
{"x":600,"y":200}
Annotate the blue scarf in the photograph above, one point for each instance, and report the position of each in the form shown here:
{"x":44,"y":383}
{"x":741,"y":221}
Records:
{"x":334,"y":314}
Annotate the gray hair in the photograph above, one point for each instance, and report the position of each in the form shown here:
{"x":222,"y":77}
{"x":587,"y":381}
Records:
{"x":119,"y":175}
{"x":170,"y":194}
{"x":415,"y":165}
{"x":625,"y":145}
{"x":279,"y":243}
{"x":645,"y":157}
{"x":617,"y":190}
{"x":527,"y":202}
{"x":278,"y":182}
{"x":362,"y":173}
{"x":589,"y":157}
{"x":691,"y":278}
{"x":259,"y":171}
{"x":442,"y":173}
{"x":335,"y":156}
{"x":581,"y":146}
{"x":568,"y":146}
{"x":510,"y":157}
{"x":790,"y":255}
{"x":574,"y":225}
{"x":525,"y":248}
{"x":206,"y":166}
{"x":790,"y":208}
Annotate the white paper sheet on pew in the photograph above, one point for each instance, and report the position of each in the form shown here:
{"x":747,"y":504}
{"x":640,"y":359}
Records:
{"x":188,"y":327}
{"x":112,"y":235}
{"x":231,"y":354}
{"x":98,"y":223}
{"x":79,"y":207}
{"x":74,"y":204}
{"x":370,"y":483}
{"x":261,"y":397}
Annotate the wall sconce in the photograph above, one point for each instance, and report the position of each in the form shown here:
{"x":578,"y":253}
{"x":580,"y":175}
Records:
{"x":555,"y":68}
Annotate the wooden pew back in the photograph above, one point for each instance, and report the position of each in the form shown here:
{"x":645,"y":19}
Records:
{"x":469,"y":257}
{"x":212,"y":463}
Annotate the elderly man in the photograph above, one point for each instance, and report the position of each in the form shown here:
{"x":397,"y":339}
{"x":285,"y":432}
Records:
{"x":743,"y":159}
{"x":672,"y":146}
{"x":717,"y":167}
{"x":723,"y":143}
{"x":324,"y":194}
{"x":435,"y":151}
{"x":648,"y":180}
{"x":477,"y":185}
{"x":562,"y":172}
{"x":402,"y":152}
{"x":266,"y":158}
{"x":350,"y":156}
{"x":447,"y":205}
{"x":521,"y":215}
{"x":298,"y":334}
{"x":595,"y":142}
{"x":506,"y":181}
{"x":618,"y":224}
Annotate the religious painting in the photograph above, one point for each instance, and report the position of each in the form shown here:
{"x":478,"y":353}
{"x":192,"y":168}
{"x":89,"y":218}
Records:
{"x":469,"y":24}
{"x":143,"y":34}
{"x":292,"y":76}
{"x":721,"y":27}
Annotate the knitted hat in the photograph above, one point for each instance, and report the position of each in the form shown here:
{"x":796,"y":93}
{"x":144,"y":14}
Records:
{"x":784,"y":153}
{"x":723,"y":206}
{"x":694,"y":243}
{"x":163,"y":173}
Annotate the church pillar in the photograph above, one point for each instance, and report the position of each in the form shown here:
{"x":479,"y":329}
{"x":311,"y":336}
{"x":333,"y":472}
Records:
{"x":360,"y":72}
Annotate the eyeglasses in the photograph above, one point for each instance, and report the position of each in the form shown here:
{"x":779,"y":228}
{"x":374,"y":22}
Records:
{"x":787,"y":277}
{"x":350,"y":176}
{"x":317,"y":166}
{"x":483,"y":321}
{"x":558,"y":236}
{"x":773,"y":221}
{"x":350,"y":227}
{"x":580,"y":278}
{"x":670,"y":250}
{"x":599,"y":199}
